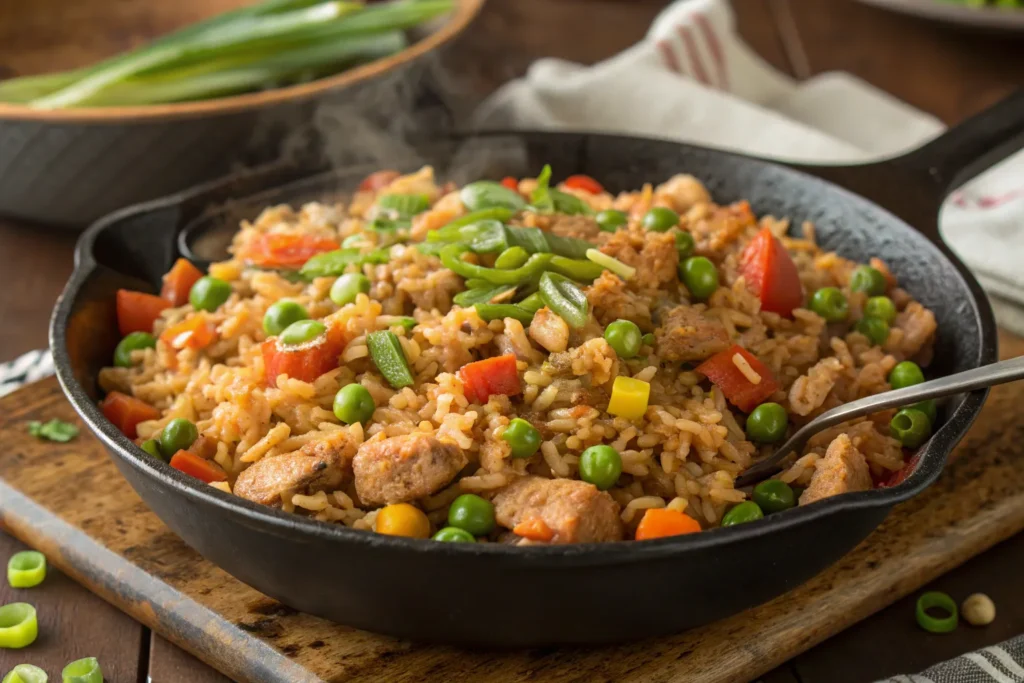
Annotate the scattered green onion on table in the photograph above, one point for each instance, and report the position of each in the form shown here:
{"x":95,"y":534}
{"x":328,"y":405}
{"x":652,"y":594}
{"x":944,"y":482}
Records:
{"x":26,"y":569}
{"x":271,"y":44}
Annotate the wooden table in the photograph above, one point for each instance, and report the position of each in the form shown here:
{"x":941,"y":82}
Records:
{"x":939,"y":69}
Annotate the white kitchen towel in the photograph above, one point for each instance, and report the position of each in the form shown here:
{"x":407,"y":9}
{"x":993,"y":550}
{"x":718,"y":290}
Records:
{"x":693,"y":79}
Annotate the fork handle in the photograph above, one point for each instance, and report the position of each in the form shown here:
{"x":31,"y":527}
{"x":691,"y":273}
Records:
{"x":969,"y":380}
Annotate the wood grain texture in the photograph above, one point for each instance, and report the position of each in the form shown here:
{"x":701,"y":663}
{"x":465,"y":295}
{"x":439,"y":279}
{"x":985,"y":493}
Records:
{"x":170,"y":664}
{"x":73,"y":623}
{"x":151,"y":574}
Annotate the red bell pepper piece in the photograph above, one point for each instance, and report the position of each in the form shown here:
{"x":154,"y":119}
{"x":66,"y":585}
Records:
{"x":192,"y":465}
{"x":126,"y":412}
{"x":900,"y":475}
{"x":585,"y":183}
{"x":378,"y":181}
{"x":305,"y":362}
{"x":739,"y":390}
{"x":510,"y":182}
{"x":178,"y":282}
{"x":136,"y":312}
{"x":276,"y":250}
{"x":771,"y":274}
{"x":192,"y":333}
{"x":483,"y":378}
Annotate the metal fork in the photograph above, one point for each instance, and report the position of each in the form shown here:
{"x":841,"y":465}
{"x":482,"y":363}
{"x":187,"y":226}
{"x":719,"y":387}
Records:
{"x":970,"y":380}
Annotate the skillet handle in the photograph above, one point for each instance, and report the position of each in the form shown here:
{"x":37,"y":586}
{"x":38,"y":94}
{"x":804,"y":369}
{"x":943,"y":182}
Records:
{"x":971,"y":147}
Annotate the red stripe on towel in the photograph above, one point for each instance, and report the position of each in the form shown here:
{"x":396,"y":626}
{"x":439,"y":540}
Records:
{"x":669,"y":56}
{"x":711,"y":38}
{"x":693,"y":54}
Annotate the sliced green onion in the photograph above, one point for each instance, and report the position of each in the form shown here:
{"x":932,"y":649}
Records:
{"x":564,"y":299}
{"x":480,"y":296}
{"x":513,"y":257}
{"x":450,"y":232}
{"x":386,"y":352}
{"x":532,"y":303}
{"x":540,"y":198}
{"x":334,"y":263}
{"x":491,"y":312}
{"x":85,"y":670}
{"x":569,"y":203}
{"x":355,"y":240}
{"x":400,"y":320}
{"x":575,"y":269}
{"x":405,"y":205}
{"x":936,"y":600}
{"x":18,"y":625}
{"x":53,"y":430}
{"x":25,"y":673}
{"x":26,"y":569}
{"x":611,"y":263}
{"x":451,"y":258}
{"x":569,"y":247}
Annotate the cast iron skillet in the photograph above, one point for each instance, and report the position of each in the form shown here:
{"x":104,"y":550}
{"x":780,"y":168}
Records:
{"x":496,"y":595}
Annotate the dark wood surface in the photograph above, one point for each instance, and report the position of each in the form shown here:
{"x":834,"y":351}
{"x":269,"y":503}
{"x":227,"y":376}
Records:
{"x":944,"y":70}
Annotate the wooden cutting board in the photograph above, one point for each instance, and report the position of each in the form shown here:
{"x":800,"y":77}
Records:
{"x":69,"y":501}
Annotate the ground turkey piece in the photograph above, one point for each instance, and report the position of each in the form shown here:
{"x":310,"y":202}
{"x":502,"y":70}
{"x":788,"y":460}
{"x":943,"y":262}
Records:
{"x":611,"y":301}
{"x":653,"y":254}
{"x":265,"y":481}
{"x":404,"y":468}
{"x":575,"y":511}
{"x":842,"y":469}
{"x":687,"y":336}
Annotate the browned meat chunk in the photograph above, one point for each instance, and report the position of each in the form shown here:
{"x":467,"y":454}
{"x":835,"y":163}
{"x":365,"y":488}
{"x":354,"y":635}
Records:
{"x":842,"y":469}
{"x":688,"y":335}
{"x":549,"y":330}
{"x":266,"y":480}
{"x":204,"y":447}
{"x":576,"y":512}
{"x":404,"y":468}
{"x":653,"y":254}
{"x":611,"y":301}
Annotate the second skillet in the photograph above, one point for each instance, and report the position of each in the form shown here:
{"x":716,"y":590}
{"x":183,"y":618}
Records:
{"x":496,"y":595}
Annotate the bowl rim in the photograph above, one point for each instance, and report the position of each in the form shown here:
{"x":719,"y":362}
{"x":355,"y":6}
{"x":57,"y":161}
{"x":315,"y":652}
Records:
{"x":455,"y":22}
{"x":931,"y":460}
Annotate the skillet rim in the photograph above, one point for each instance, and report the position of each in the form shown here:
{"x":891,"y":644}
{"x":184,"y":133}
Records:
{"x":929,"y":466}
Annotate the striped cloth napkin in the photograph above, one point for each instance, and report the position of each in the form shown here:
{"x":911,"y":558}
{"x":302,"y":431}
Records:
{"x":693,"y":79}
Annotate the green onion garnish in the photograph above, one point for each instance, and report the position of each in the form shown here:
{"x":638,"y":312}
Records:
{"x":26,"y":569}
{"x":386,"y":352}
{"x":85,"y":670}
{"x":18,"y":625}
{"x":611,"y":263}
{"x":936,"y":600}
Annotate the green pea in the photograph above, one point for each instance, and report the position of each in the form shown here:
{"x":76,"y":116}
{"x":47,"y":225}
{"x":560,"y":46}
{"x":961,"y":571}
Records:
{"x":625,"y":337}
{"x":660,"y":219}
{"x":928,"y":407}
{"x":348,"y":286}
{"x":830,"y":304}
{"x":611,"y":220}
{"x":511,"y":258}
{"x":905,"y":374}
{"x":744,"y":512}
{"x":767,"y":423}
{"x":487,"y":194}
{"x":868,"y":280}
{"x":451,"y":534}
{"x":208,"y":293}
{"x":648,"y":339}
{"x":177,"y":435}
{"x":152,"y":446}
{"x":523,"y":437}
{"x":600,"y":466}
{"x":880,"y":307}
{"x":353,"y":403}
{"x":132,"y":342}
{"x":911,"y":427}
{"x":700,"y":277}
{"x":685,"y":244}
{"x":774,"y":496}
{"x":877,"y":331}
{"x":473,"y":514}
{"x":301,"y":332}
{"x":282,"y":314}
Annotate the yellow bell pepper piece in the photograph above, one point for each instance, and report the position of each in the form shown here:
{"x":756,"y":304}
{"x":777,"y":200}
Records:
{"x":629,"y":398}
{"x":402,"y":519}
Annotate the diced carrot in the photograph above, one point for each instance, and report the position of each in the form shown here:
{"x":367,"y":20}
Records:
{"x":305,"y":362}
{"x":535,"y":529}
{"x":136,"y":312}
{"x":192,"y":465}
{"x":662,"y":522}
{"x":771,"y":274}
{"x":126,"y":412}
{"x":179,"y":280}
{"x":721,"y":369}
{"x":483,"y":378}
{"x":193,"y":333}
{"x":378,"y":181}
{"x":510,"y":182}
{"x":585,"y":183}
{"x":278,"y":250}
